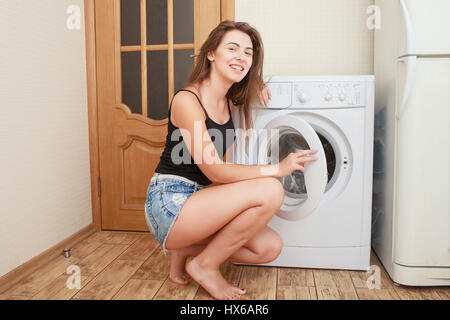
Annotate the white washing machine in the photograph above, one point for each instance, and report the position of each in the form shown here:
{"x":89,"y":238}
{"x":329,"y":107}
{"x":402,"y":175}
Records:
{"x":325,"y":221}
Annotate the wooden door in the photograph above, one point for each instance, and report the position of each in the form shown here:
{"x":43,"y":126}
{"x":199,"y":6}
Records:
{"x":145,"y":51}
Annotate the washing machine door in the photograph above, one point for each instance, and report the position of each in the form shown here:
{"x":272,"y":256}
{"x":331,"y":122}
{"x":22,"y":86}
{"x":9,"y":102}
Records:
{"x":303,"y":191}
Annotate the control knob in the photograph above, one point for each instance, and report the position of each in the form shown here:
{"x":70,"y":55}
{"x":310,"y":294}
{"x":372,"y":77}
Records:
{"x":302,"y":96}
{"x":328,"y":96}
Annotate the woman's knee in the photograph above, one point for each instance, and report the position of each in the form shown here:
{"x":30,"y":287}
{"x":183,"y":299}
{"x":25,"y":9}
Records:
{"x":274,"y":248}
{"x":272,"y":192}
{"x":269,"y":249}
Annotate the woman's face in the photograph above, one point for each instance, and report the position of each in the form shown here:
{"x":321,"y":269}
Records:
{"x":233,"y":57}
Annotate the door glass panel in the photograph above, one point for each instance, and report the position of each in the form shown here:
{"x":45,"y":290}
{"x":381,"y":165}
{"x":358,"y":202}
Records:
{"x":156,"y":21}
{"x":330,"y":156}
{"x":130,"y":19}
{"x":183,"y":21}
{"x":131,"y":81}
{"x":157,"y":84}
{"x":183,"y":65}
{"x":294,"y":185}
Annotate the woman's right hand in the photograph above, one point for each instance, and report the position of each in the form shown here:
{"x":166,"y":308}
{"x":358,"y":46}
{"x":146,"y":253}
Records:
{"x":294,"y":161}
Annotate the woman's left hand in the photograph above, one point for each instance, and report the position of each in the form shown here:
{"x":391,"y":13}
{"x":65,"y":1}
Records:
{"x":264,"y":96}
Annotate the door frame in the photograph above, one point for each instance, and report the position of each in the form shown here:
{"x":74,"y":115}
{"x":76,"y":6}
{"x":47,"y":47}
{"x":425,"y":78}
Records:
{"x":226,"y":13}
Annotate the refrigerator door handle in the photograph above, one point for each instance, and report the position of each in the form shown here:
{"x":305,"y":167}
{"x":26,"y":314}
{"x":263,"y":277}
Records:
{"x":410,"y":62}
{"x":410,"y":36}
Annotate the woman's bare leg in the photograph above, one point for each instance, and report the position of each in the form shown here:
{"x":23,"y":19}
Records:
{"x":204,"y":268}
{"x":264,"y":247}
{"x":254,"y":204}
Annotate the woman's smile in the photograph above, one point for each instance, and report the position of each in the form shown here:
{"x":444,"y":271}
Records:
{"x":237,"y":68}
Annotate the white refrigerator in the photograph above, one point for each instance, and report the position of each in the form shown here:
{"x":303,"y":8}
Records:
{"x":410,"y":207}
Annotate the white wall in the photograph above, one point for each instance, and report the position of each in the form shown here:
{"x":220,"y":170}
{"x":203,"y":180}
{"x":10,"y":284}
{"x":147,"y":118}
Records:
{"x":44,"y":139}
{"x":311,"y":37}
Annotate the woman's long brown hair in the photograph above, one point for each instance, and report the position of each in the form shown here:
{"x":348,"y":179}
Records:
{"x":244,"y":93}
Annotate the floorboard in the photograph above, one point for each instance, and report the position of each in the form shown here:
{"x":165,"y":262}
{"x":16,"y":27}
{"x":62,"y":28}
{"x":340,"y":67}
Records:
{"x":133,"y":266}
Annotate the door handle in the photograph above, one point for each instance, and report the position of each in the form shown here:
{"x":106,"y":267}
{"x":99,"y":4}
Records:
{"x":410,"y":36}
{"x":410,"y":66}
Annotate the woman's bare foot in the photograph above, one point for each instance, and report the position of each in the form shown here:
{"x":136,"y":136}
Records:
{"x":177,"y":267}
{"x":213,"y":282}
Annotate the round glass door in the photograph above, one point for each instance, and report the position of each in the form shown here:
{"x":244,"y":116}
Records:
{"x":294,"y":184}
{"x":303,"y":191}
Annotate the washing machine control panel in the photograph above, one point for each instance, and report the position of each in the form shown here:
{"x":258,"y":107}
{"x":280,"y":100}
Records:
{"x":316,"y":94}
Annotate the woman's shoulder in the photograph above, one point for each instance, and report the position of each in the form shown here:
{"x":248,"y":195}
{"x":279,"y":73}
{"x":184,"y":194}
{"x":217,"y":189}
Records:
{"x":185,"y":105}
{"x":192,"y":88}
{"x":186,"y":97}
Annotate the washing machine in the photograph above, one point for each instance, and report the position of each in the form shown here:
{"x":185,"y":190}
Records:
{"x":325,"y":220}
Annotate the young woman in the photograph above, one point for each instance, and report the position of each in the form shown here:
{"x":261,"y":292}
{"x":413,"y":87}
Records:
{"x":226,"y":221}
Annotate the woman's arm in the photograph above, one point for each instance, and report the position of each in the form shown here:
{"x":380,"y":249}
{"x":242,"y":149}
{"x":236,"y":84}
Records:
{"x":190,"y":119}
{"x":230,"y":172}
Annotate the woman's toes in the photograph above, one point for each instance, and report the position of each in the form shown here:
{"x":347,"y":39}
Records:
{"x":238,"y":293}
{"x":181,"y":278}
{"x":235,"y":293}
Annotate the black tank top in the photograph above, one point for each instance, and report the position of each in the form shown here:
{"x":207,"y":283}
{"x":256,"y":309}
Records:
{"x":185,"y":165}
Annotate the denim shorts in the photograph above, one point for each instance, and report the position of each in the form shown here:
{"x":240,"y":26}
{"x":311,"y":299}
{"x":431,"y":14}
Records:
{"x":166,"y":195}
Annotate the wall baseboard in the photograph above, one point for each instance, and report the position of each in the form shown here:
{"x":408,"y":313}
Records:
{"x":21,"y":272}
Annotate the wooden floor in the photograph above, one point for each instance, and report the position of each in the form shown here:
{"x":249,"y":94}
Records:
{"x":119,"y":265}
